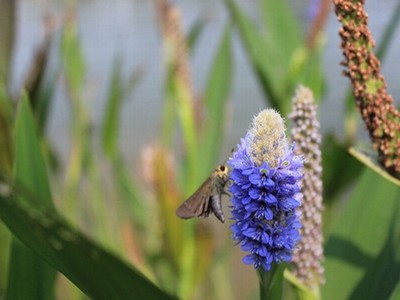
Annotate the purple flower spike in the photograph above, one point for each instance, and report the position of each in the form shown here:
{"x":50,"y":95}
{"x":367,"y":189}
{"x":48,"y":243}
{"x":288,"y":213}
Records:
{"x":266,"y":177}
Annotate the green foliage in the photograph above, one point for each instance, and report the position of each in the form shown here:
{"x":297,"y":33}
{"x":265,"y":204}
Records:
{"x":103,"y":276}
{"x":30,"y":171}
{"x":271,"y":282}
{"x":279,"y":57}
{"x":337,"y":177}
{"x":30,"y":215}
{"x":118,"y":91}
{"x":93,"y":214}
{"x":362,"y":257}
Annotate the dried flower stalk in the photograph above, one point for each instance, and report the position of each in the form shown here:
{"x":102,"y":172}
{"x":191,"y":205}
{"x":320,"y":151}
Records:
{"x":174,"y":39}
{"x":380,"y":116}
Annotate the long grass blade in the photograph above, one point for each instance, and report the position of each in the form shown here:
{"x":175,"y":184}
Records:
{"x":29,"y":276}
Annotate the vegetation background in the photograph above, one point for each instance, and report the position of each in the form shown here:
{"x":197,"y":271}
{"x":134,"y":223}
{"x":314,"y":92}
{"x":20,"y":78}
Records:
{"x":112,"y":114}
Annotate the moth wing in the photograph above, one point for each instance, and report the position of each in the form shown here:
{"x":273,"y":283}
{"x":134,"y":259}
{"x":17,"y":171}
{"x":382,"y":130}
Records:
{"x":198,"y":204}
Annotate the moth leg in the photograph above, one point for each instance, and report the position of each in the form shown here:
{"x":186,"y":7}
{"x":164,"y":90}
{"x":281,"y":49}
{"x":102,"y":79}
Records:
{"x":226,"y":193}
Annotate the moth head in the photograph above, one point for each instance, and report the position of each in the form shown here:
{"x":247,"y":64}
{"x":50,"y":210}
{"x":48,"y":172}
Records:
{"x":222,"y":171}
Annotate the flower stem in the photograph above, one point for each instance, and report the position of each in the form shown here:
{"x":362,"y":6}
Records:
{"x":271,"y":282}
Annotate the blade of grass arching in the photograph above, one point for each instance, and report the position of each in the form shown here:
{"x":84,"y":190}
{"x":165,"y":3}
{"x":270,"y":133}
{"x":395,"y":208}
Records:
{"x":194,"y":33}
{"x":304,"y":64}
{"x":111,"y":118}
{"x":29,"y":277}
{"x":6,"y":161}
{"x":395,"y":295}
{"x":337,"y":177}
{"x":7,"y":18}
{"x":74,"y":71}
{"x":6,"y":142}
{"x":312,"y":74}
{"x":117,"y":93}
{"x":269,"y":70}
{"x":73,"y":59}
{"x":362,"y":260}
{"x":372,"y":164}
{"x":306,"y":68}
{"x":97,"y":208}
{"x":95,"y":271}
{"x":282,"y":27}
{"x":169,"y":119}
{"x":187,"y":122}
{"x":216,"y":96}
{"x":128,"y":190}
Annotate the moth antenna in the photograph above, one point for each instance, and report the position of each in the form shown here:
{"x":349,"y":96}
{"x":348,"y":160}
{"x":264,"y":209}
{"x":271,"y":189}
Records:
{"x":226,"y":159}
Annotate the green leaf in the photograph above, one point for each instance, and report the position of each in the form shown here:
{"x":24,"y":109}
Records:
{"x":337,"y":177}
{"x":194,"y":33}
{"x":271,"y":282}
{"x":118,"y":90}
{"x":6,"y":140}
{"x":281,"y":26}
{"x":307,"y":69}
{"x":111,"y":118}
{"x":263,"y":56}
{"x":73,"y":57}
{"x":30,"y":168}
{"x":74,"y":71}
{"x":29,"y":276}
{"x":275,"y":52}
{"x":216,"y":96}
{"x":396,"y":292}
{"x":362,"y":253}
{"x":127,"y":189}
{"x":95,"y":271}
{"x":370,"y":163}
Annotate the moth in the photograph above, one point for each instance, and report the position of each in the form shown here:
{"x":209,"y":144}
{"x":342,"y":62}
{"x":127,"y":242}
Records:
{"x":207,"y":198}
